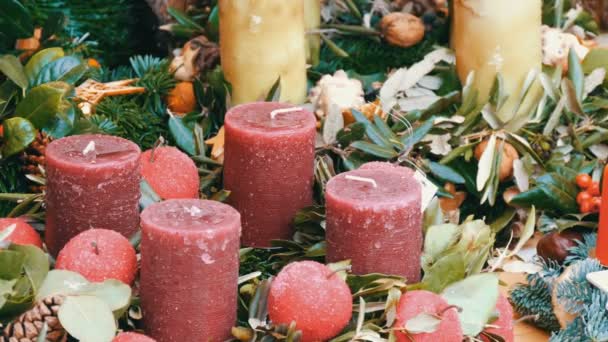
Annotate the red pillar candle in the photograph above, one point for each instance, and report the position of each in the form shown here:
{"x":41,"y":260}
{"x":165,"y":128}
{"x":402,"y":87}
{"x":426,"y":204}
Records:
{"x":374,"y":219}
{"x":268,"y":167}
{"x":189,"y":270}
{"x":601,"y":250}
{"x":92,"y":182}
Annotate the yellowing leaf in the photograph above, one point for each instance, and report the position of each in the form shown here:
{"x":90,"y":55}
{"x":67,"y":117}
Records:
{"x":485,"y":163}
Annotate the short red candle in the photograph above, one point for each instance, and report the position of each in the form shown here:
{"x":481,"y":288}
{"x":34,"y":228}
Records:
{"x":601,"y":250}
{"x":92,"y":182}
{"x":189,"y":270}
{"x":268,"y":167}
{"x":377,"y":223}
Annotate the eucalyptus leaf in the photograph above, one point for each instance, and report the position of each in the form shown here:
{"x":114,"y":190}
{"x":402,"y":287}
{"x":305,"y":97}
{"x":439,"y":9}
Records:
{"x":19,"y":133}
{"x":39,"y":60}
{"x":41,"y":104}
{"x":438,"y":239}
{"x":476,"y":296}
{"x":422,"y":323}
{"x":11,"y":264}
{"x":6,"y":288}
{"x":115,"y":293}
{"x":12,"y":68}
{"x":183,"y":134}
{"x":61,"y":282}
{"x":36,"y":264}
{"x":87,"y":318}
{"x":448,"y":269}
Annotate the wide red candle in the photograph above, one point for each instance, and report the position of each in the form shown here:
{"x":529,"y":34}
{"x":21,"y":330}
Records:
{"x":601,"y":250}
{"x":268,"y":167}
{"x":92,"y":182}
{"x":374,"y":219}
{"x":189,"y":270}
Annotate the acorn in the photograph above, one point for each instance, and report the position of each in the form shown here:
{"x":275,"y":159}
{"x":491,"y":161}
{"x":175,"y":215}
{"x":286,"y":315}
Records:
{"x":402,"y":29}
{"x":509,"y":154}
{"x":555,"y":245}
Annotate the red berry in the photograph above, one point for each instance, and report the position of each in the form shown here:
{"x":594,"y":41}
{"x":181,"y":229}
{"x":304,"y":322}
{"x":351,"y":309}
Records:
{"x":596,"y":203}
{"x":504,"y":323}
{"x":170,"y":172}
{"x":132,"y":337}
{"x":24,"y":234}
{"x":594,"y":189}
{"x":99,"y":254}
{"x":583,"y":196}
{"x":313,"y":296}
{"x":583,"y":180}
{"x":414,"y":303}
{"x":586,"y":207}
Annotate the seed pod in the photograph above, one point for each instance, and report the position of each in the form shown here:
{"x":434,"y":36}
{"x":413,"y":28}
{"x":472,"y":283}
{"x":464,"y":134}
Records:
{"x":402,"y":29}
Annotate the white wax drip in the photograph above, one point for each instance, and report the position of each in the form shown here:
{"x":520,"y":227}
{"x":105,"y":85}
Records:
{"x":89,"y":148}
{"x":362,"y":179}
{"x":276,"y":112}
{"x":194,"y":211}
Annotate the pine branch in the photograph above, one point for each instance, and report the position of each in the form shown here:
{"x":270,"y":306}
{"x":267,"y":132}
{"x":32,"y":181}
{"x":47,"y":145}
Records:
{"x":572,"y":333}
{"x":581,"y":251}
{"x":576,"y":292}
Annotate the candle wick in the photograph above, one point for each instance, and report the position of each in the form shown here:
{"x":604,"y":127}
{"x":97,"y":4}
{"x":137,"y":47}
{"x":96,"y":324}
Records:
{"x":276,"y":112}
{"x":89,"y":148}
{"x":362,"y":179}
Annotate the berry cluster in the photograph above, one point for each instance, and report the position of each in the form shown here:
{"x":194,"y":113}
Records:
{"x":588,"y":199}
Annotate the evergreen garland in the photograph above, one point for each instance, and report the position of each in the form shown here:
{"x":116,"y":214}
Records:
{"x":12,"y":180}
{"x":581,"y":251}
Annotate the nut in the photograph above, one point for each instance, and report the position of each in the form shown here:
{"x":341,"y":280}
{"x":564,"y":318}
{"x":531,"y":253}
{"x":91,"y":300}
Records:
{"x":402,"y":29}
{"x":555,"y":245}
{"x":509,"y":154}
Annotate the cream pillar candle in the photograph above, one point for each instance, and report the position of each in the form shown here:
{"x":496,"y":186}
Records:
{"x":502,"y":36}
{"x":312,"y":23}
{"x":260,"y":41}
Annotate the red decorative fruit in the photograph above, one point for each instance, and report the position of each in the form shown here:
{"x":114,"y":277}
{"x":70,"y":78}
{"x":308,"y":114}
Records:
{"x":596,"y":203}
{"x":24,"y":234}
{"x":132,"y":337}
{"x":313,"y":296}
{"x":594,"y":189}
{"x":170,"y":172}
{"x":503,"y":326}
{"x":586,"y":207}
{"x":582,"y":197}
{"x":99,"y":254}
{"x":583,"y":180}
{"x":414,"y":303}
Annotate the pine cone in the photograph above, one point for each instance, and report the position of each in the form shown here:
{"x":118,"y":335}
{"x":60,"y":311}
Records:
{"x":33,"y":159}
{"x":27,"y":327}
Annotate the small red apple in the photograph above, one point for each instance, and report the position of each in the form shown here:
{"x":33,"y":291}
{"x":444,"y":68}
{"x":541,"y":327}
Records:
{"x":313,"y":296}
{"x":24,"y":234}
{"x":170,"y":172}
{"x":132,"y":337}
{"x":504,"y":323}
{"x":99,"y":254}
{"x":415,"y":303}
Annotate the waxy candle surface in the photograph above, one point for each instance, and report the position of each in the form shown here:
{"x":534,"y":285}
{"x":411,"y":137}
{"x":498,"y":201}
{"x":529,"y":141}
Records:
{"x":92,"y":182}
{"x":268,"y":168}
{"x":602,"y":230}
{"x":261,"y":41}
{"x":379,"y":228}
{"x":189,"y":270}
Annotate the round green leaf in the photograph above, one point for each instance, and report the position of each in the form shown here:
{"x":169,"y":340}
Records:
{"x":116,"y":294}
{"x":67,"y":69}
{"x":36,"y":264}
{"x":87,"y":318}
{"x":18,"y":134}
{"x":12,"y":68}
{"x":61,"y":282}
{"x":39,"y":60}
{"x":41,"y":104}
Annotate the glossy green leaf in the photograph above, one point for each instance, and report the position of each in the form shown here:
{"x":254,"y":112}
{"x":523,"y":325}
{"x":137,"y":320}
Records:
{"x":183,"y":134}
{"x":371,"y":130}
{"x":64,"y":121}
{"x":476,"y":296}
{"x":213,"y":23}
{"x":12,"y":68}
{"x":41,"y":104}
{"x":375,"y":150}
{"x":39,"y":60}
{"x":17,"y":18}
{"x":11,"y":264}
{"x":36,"y":264}
{"x":87,"y":318}
{"x":18,"y":134}
{"x":68,"y":69}
{"x":353,"y":132}
{"x":576,"y":74}
{"x":184,"y":19}
{"x":445,"y":173}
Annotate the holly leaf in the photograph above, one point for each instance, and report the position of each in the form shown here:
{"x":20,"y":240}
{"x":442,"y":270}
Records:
{"x":42,"y":103}
{"x":16,"y":19}
{"x":87,"y":318}
{"x":39,"y":60}
{"x":12,"y":68}
{"x":422,"y":323}
{"x":476,"y":296}
{"x":19,"y":133}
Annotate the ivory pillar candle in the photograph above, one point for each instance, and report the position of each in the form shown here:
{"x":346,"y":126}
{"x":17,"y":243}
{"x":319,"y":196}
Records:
{"x":498,"y":36}
{"x":312,"y":23}
{"x":374,"y":219}
{"x":602,"y":231}
{"x":92,"y":182}
{"x":261,"y":41}
{"x":189,"y":270}
{"x":268,"y":167}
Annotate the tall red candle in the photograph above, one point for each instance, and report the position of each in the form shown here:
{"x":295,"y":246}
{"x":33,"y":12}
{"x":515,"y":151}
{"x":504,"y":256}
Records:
{"x":189,"y":270}
{"x":268,"y":167}
{"x":92,"y":182}
{"x":601,"y":250}
{"x":374,"y":219}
